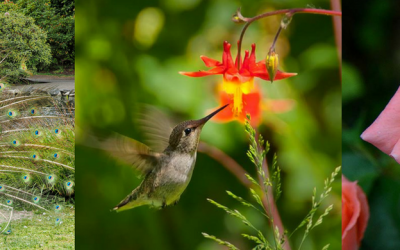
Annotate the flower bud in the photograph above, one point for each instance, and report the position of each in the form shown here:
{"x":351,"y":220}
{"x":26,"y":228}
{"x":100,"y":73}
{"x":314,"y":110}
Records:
{"x":238,"y":18}
{"x":271,"y":62}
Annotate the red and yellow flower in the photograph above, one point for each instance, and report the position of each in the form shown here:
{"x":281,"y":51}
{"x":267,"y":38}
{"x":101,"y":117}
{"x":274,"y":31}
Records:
{"x":238,"y":82}
{"x":252,"y":106}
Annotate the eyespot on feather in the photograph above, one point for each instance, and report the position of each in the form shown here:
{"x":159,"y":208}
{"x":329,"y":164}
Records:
{"x":15,"y":143}
{"x":26,"y":178}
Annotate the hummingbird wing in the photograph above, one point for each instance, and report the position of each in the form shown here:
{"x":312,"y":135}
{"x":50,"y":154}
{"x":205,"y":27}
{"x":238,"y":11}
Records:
{"x":156,"y":127}
{"x":126,"y":150}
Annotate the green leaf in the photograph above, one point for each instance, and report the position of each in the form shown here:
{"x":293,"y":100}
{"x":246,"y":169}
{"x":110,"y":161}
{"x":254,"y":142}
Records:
{"x":252,"y":180}
{"x":253,"y":238}
{"x":325,"y":247}
{"x":221,"y":242}
{"x":321,"y":217}
{"x":256,"y":197}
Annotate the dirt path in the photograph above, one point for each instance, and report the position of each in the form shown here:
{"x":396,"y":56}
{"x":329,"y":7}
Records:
{"x":17,"y":215}
{"x":50,"y":78}
{"x":69,"y":85}
{"x":48,"y":82}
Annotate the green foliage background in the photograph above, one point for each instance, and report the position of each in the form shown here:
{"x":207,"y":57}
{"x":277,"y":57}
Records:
{"x":122,"y":62}
{"x":58,"y":20}
{"x":370,"y":78}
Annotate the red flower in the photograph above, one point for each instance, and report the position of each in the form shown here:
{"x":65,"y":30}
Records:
{"x":248,"y":68}
{"x":237,"y":84}
{"x":253,"y":104}
{"x":384,"y":133}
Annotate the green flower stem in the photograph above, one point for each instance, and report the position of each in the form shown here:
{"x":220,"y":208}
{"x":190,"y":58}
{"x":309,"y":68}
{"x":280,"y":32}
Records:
{"x":288,"y":12}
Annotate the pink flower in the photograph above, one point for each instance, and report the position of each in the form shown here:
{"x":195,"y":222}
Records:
{"x":384,"y":132}
{"x":355,"y":214}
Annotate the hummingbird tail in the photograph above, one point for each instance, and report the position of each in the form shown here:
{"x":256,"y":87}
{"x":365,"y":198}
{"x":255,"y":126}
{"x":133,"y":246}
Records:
{"x":131,"y":201}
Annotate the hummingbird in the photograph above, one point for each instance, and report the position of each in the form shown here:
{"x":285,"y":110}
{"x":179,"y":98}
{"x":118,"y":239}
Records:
{"x":167,"y":173}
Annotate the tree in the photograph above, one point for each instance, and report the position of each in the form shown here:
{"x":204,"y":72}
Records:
{"x":58,"y":20}
{"x":21,"y":41}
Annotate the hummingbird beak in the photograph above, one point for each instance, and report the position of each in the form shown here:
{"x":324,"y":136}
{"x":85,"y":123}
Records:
{"x":202,"y":121}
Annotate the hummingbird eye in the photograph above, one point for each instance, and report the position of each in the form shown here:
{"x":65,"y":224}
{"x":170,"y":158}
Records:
{"x":187,"y":131}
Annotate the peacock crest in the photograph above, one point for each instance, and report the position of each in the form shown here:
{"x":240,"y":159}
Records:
{"x":37,"y":155}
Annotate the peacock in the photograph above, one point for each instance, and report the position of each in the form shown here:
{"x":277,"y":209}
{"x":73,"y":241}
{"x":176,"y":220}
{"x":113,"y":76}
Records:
{"x":37,"y":154}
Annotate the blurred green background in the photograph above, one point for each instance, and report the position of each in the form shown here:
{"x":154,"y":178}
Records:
{"x":130,"y":53}
{"x":371,"y":59}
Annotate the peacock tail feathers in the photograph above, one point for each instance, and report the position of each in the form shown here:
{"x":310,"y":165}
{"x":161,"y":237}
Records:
{"x":37,"y":154}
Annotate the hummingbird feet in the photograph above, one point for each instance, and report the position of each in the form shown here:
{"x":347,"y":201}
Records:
{"x":164,"y":204}
{"x":176,"y":202}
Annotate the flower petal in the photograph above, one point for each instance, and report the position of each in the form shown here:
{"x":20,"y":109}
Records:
{"x":251,"y":106}
{"x":263,"y":74}
{"x":279,"y":106}
{"x":226,"y":114}
{"x":245,"y":65}
{"x":396,"y":151}
{"x":209,"y":62}
{"x":282,"y":75}
{"x":227,"y":60}
{"x":201,"y":73}
{"x":384,"y":132}
{"x":364,"y":213}
{"x":355,"y":214}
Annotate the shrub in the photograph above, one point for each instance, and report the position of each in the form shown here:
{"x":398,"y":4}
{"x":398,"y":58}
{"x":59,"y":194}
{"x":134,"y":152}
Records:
{"x":21,"y":41}
{"x":8,"y":6}
{"x":58,"y":22}
{"x":64,"y":7}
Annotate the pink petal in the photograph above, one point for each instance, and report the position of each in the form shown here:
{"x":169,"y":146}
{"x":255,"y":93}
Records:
{"x":349,"y":200}
{"x":364,"y":213}
{"x":384,"y":132}
{"x":396,"y":151}
{"x":349,"y":242}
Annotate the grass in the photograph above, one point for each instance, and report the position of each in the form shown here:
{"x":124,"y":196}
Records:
{"x":41,"y":232}
{"x":263,"y":189}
